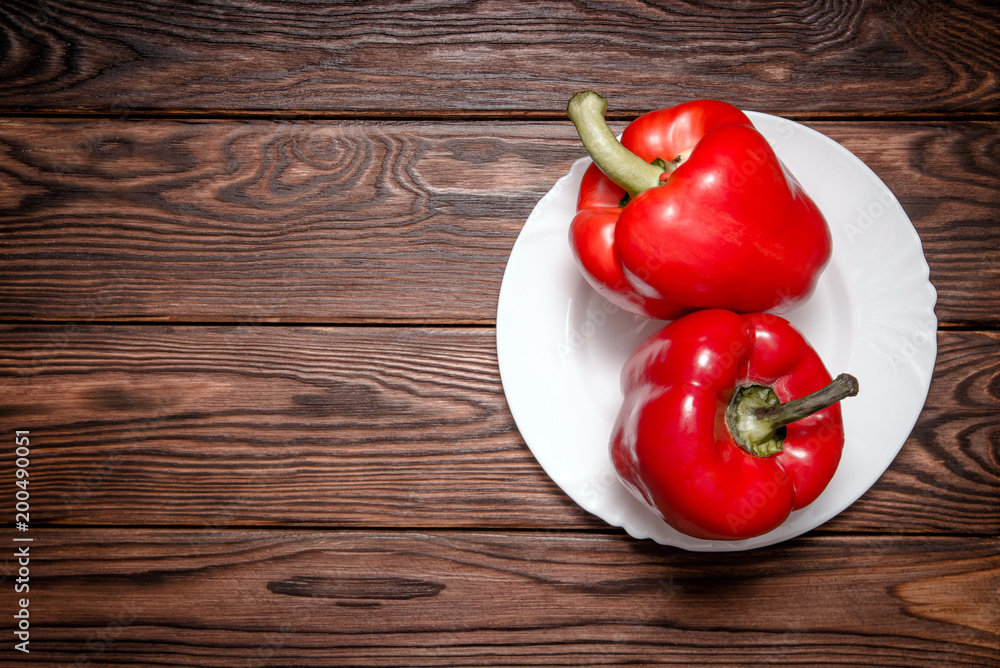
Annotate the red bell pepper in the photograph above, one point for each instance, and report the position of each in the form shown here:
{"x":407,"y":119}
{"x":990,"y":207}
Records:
{"x":729,"y":422}
{"x":692,"y":210}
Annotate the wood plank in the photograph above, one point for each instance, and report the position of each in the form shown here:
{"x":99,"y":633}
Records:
{"x":379,"y":427}
{"x":327,"y":222}
{"x":430,"y":57}
{"x":266,"y":221}
{"x":153,"y":597}
{"x":217,"y":426}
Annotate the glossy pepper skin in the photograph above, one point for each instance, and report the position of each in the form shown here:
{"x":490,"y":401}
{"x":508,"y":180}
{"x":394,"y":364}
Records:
{"x":672,"y":444}
{"x":729,"y":227}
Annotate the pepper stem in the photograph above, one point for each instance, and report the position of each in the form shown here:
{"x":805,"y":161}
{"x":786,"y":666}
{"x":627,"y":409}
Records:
{"x":841,"y":387}
{"x":757,"y":419}
{"x":586,"y":109}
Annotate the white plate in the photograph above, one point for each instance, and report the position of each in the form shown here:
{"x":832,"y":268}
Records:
{"x":561,"y":346}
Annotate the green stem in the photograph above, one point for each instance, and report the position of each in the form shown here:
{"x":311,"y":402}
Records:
{"x":841,"y":387}
{"x":586,"y":109}
{"x":756,"y":418}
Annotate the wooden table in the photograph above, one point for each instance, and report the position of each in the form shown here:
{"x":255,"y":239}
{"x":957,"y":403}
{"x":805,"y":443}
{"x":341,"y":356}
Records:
{"x":251,"y":253}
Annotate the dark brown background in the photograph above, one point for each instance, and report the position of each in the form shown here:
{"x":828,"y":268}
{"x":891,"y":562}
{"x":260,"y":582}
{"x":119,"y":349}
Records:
{"x":250,"y":255}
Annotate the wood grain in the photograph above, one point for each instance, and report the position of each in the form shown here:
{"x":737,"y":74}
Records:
{"x":210,"y":427}
{"x":141,"y":597}
{"x":267,"y":221}
{"x":430,"y":57}
{"x":331,"y":222}
{"x":380,"y":427}
{"x":250,"y":254}
{"x":957,"y":437}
